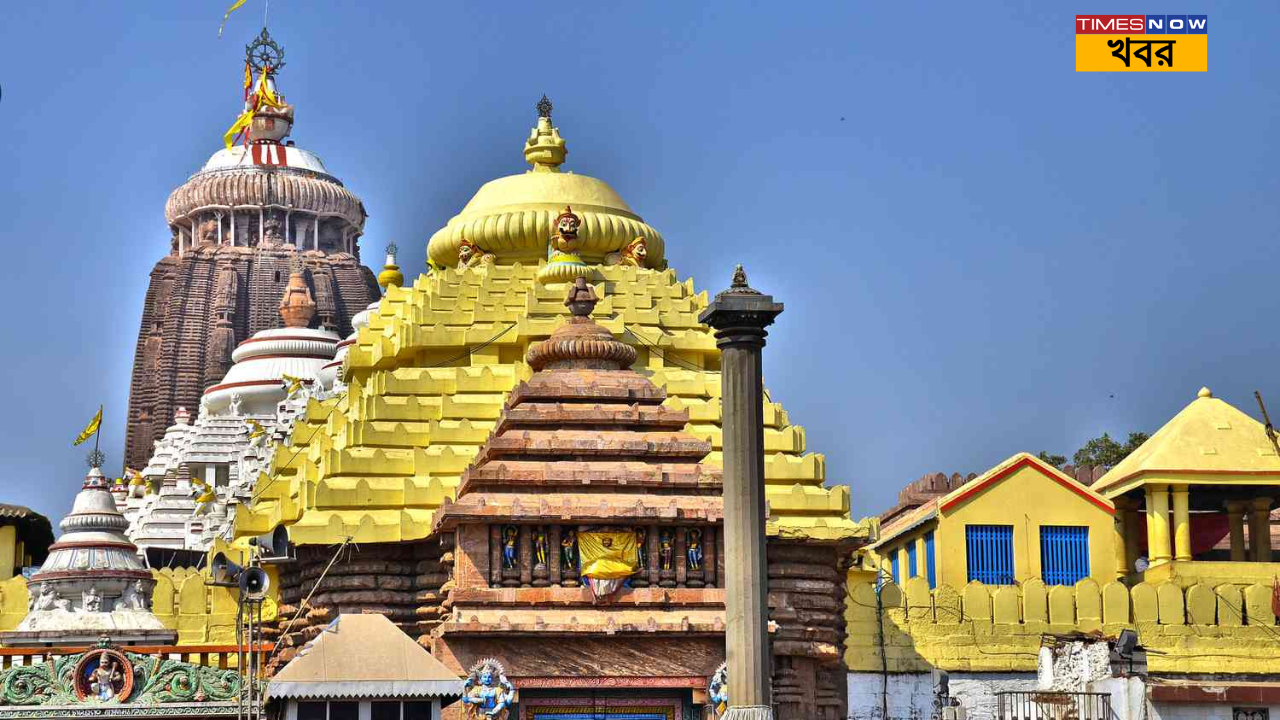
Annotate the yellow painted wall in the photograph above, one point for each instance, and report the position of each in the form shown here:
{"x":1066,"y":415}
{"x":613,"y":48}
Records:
{"x":1027,"y":500}
{"x":1199,"y":629}
{"x":10,"y":552}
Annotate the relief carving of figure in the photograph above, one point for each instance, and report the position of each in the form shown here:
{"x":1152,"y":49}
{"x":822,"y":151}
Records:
{"x":566,"y":238}
{"x":46,"y":600}
{"x":271,"y":228}
{"x":694,"y":552}
{"x":236,"y":402}
{"x":106,"y":679}
{"x":470,"y":255}
{"x":719,"y":690}
{"x":135,"y":596}
{"x":540,"y":546}
{"x":642,"y":546}
{"x":208,"y":232}
{"x":486,"y":693}
{"x":92,"y":601}
{"x":633,"y":254}
{"x":569,"y":549}
{"x":666,"y":551}
{"x":509,"y":535}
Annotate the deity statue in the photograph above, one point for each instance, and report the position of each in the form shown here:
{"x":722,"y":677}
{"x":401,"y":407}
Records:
{"x":694,"y":553}
{"x":633,"y":254}
{"x":208,"y":232}
{"x":642,"y":546}
{"x":92,"y":601}
{"x":236,"y":402}
{"x":540,"y":545}
{"x":666,"y":552}
{"x":470,"y":255}
{"x":509,"y":535}
{"x":565,"y":241}
{"x":45,"y":600}
{"x":105,"y":679}
{"x":719,"y":690}
{"x":486,"y":693}
{"x":569,"y":549}
{"x":134,"y":597}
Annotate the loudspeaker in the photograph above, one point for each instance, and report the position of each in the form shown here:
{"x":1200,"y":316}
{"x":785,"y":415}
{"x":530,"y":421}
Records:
{"x":273,"y":545}
{"x":254,"y":583}
{"x":224,"y":572}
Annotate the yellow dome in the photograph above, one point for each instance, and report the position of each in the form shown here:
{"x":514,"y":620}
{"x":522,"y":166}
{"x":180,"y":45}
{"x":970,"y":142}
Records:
{"x":513,"y":217}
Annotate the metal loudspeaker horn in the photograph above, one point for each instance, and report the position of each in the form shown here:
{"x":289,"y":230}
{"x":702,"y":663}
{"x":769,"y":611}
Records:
{"x":254,"y":583}
{"x":224,"y":572}
{"x":273,"y":546}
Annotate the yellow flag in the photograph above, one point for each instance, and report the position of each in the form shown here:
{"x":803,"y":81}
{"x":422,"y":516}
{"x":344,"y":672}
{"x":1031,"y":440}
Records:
{"x":608,"y":555}
{"x":234,"y":7}
{"x":240,"y":124}
{"x":265,"y":95}
{"x":248,"y":78}
{"x":91,"y":429}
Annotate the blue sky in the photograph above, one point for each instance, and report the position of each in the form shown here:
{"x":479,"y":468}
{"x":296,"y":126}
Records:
{"x":980,"y":250}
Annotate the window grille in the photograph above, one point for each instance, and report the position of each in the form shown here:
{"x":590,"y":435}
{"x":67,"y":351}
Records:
{"x":1243,"y":713}
{"x":930,"y":561}
{"x":989,"y":553}
{"x":1064,"y":554}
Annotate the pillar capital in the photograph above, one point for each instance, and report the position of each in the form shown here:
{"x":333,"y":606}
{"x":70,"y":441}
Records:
{"x":741,"y":313}
{"x":1235,"y":506}
{"x":1179,"y":489}
{"x":1261,"y":504}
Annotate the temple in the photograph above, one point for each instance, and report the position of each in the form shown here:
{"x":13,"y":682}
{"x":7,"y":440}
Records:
{"x":236,"y":227}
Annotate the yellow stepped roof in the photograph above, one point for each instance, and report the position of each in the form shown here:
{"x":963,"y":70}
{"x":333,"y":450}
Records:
{"x":1207,"y":438}
{"x":430,"y":373}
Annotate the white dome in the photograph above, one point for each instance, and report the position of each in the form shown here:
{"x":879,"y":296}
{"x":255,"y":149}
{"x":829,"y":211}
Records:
{"x":295,"y":157}
{"x":262,"y":361}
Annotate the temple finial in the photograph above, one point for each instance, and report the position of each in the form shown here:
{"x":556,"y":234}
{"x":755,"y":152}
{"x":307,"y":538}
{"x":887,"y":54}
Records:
{"x":545,"y":149}
{"x":391,"y":274}
{"x":95,"y":458}
{"x":581,"y":299}
{"x":544,"y":107}
{"x":739,"y":277}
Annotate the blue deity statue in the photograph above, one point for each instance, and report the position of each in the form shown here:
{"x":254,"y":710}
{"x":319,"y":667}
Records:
{"x":694,"y":551}
{"x":719,"y":690}
{"x":487,"y":694}
{"x":509,"y":536}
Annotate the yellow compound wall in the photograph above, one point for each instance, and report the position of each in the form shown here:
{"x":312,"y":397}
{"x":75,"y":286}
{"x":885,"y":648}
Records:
{"x":423,"y":395}
{"x":974,"y":628}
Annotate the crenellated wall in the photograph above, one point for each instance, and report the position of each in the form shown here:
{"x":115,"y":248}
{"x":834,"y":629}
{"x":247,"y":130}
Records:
{"x":1199,"y":629}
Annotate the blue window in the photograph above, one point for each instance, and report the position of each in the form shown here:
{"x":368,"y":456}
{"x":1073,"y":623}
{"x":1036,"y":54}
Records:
{"x":989,"y":552}
{"x":1064,"y":554}
{"x":930,"y":562}
{"x":911,"y":560}
{"x":896,"y":576}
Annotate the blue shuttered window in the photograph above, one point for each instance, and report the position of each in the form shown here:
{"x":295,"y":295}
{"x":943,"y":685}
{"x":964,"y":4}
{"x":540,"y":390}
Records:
{"x":989,"y":553}
{"x":896,"y":576}
{"x":911,"y":560}
{"x":930,"y":563}
{"x":1064,"y":554}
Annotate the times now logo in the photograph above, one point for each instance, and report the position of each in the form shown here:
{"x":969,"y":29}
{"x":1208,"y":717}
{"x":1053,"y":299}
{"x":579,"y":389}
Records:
{"x":1142,"y":24}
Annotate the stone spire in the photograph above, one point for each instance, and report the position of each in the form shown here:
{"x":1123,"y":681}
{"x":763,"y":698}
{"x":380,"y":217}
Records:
{"x":580,"y":343}
{"x":296,"y":307}
{"x":92,"y":585}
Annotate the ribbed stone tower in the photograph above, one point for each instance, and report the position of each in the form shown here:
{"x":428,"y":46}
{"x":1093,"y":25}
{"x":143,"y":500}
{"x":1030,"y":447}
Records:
{"x":236,"y":226}
{"x":93,"y":584}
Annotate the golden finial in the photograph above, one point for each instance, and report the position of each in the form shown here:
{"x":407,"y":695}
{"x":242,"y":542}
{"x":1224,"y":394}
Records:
{"x":545,"y":149}
{"x":390,"y":274}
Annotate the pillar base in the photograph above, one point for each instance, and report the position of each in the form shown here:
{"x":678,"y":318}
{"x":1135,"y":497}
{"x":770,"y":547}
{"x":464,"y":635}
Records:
{"x":749,"y":712}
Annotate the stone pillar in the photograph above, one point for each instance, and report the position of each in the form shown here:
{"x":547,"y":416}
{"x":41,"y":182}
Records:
{"x":740,"y":316}
{"x":1157,"y":523}
{"x":1235,"y":516}
{"x":1260,"y":530}
{"x":1181,"y":523}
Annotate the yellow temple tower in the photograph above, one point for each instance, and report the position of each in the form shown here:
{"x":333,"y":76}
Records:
{"x":429,"y":375}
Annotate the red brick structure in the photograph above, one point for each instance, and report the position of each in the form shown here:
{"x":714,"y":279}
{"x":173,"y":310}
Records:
{"x":236,"y":226}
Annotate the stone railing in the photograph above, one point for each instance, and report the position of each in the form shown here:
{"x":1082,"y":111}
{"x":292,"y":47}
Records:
{"x":223,"y":657}
{"x":1223,"y":629}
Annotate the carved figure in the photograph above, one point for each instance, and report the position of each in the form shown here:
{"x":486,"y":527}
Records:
{"x":236,"y":403}
{"x":694,"y":552}
{"x":106,"y":679}
{"x":666,"y":550}
{"x":46,"y":600}
{"x":719,"y":690}
{"x":569,"y":549}
{"x":470,"y":255}
{"x":271,"y":228}
{"x":208,"y":232}
{"x":134,"y":597}
{"x":92,"y":601}
{"x":509,"y":535}
{"x":642,"y":546}
{"x":634,"y":254}
{"x":486,"y":693}
{"x":63,"y":604}
{"x":540,"y":545}
{"x":566,"y":238}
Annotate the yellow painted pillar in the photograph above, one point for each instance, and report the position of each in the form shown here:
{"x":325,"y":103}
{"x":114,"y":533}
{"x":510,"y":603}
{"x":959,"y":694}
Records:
{"x":904,"y":570}
{"x":922,"y":562}
{"x":1181,"y":522}
{"x":1119,"y":543}
{"x":8,"y":551}
{"x":1260,"y":530}
{"x":1235,"y":514}
{"x":1157,"y":523}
